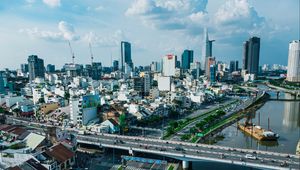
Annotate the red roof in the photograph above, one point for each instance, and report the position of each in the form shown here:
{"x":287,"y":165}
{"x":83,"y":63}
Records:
{"x":60,"y":153}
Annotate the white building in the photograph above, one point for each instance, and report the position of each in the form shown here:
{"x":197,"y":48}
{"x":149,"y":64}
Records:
{"x":169,"y":65}
{"x":84,"y":109}
{"x":249,"y":77}
{"x":164,"y":83}
{"x":293,"y":72}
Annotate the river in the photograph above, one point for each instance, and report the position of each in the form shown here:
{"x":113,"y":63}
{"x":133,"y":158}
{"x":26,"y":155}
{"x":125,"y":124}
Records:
{"x":284,"y":119}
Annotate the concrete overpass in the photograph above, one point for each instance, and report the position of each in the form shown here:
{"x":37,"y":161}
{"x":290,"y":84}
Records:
{"x":193,"y":152}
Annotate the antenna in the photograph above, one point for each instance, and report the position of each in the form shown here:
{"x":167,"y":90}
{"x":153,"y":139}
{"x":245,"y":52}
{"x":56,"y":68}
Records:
{"x":92,"y":56}
{"x":72,"y":53}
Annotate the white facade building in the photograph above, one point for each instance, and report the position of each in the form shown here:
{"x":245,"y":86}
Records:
{"x":164,"y":83}
{"x":293,"y":72}
{"x":169,"y":65}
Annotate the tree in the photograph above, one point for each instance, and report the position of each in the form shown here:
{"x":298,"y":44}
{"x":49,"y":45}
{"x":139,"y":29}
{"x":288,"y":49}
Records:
{"x":122,"y":122}
{"x":173,"y":124}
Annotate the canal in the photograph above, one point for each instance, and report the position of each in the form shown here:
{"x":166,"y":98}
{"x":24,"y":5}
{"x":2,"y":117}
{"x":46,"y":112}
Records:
{"x":284,"y":119}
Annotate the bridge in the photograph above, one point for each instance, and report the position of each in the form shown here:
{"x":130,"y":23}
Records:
{"x":188,"y":152}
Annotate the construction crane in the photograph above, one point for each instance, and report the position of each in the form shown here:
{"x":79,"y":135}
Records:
{"x":92,"y":56}
{"x":72,"y":53}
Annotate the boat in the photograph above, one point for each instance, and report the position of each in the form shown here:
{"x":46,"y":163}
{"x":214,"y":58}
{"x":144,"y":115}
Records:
{"x":258,"y":132}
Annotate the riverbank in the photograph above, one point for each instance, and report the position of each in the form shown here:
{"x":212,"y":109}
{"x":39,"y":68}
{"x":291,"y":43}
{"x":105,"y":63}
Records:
{"x":231,"y":119}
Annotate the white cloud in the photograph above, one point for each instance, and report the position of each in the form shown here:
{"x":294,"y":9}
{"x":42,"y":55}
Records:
{"x":167,"y":14}
{"x":66,"y":32}
{"x":238,"y":11}
{"x":104,"y":40}
{"x":52,"y":3}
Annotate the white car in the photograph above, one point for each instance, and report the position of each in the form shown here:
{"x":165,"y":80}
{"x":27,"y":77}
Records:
{"x":249,"y":156}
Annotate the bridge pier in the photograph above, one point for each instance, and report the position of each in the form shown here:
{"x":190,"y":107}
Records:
{"x":185,"y":165}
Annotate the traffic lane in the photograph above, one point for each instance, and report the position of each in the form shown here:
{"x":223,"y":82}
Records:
{"x":194,"y":146}
{"x":192,"y":150}
{"x":209,"y":154}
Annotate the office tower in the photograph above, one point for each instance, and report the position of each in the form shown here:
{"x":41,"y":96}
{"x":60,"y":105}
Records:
{"x":245,"y":55}
{"x":126,"y":55}
{"x":50,"y":68}
{"x":196,"y":69}
{"x":36,"y":67}
{"x":96,"y":70}
{"x":206,"y":49}
{"x":24,"y":68}
{"x":169,"y":65}
{"x":232,"y":66}
{"x":115,"y":65}
{"x":2,"y":89}
{"x":213,"y":71}
{"x":187,"y":58}
{"x":236,"y":65}
{"x":251,"y":55}
{"x":293,"y":70}
{"x":210,"y":61}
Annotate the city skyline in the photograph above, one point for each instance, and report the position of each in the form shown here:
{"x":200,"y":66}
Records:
{"x":154,"y":29}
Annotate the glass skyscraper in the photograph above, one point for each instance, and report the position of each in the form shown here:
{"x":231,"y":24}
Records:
{"x":187,"y":58}
{"x":126,"y":55}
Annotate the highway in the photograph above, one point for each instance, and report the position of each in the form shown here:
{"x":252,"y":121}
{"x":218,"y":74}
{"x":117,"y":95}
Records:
{"x":193,"y":152}
{"x":181,"y":150}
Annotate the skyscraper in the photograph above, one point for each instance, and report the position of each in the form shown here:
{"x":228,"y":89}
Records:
{"x":36,"y":67}
{"x":50,"y":68}
{"x":169,"y":65}
{"x":232,"y":66}
{"x":210,"y":61}
{"x":24,"y":68}
{"x":251,"y":55}
{"x":236,"y":65}
{"x":187,"y":58}
{"x":96,"y":70}
{"x":245,"y":55}
{"x":2,"y":90}
{"x":115,"y":65}
{"x":126,"y":55}
{"x":206,"y":51}
{"x":293,"y":70}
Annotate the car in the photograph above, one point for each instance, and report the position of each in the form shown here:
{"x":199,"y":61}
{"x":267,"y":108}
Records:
{"x":163,"y":149}
{"x":249,"y":156}
{"x":283,"y":164}
{"x":177,"y":148}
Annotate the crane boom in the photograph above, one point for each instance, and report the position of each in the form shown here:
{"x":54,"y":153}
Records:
{"x":72,"y":53}
{"x":92,"y":56}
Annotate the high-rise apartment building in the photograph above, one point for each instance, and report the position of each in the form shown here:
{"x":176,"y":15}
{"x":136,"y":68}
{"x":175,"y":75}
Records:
{"x":293,"y":69}
{"x":36,"y":67}
{"x":187,"y":58}
{"x":126,"y":55}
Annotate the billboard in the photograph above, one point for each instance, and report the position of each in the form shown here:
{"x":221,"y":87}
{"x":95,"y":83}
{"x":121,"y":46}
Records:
{"x":89,"y":101}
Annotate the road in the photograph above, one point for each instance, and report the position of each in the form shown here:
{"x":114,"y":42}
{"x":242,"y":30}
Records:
{"x":185,"y":151}
{"x":193,"y":152}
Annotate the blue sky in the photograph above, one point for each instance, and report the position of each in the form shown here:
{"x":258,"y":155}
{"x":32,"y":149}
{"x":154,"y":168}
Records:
{"x":154,"y":28}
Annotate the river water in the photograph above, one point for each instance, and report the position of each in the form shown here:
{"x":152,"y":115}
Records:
{"x":284,"y":119}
